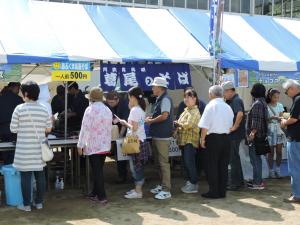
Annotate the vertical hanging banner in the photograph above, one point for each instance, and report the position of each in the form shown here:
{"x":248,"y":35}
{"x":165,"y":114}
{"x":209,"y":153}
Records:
{"x":215,"y":31}
{"x":212,"y":26}
{"x":131,"y":75}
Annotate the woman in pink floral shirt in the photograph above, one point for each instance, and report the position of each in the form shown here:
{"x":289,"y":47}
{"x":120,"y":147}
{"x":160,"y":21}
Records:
{"x":95,"y":140}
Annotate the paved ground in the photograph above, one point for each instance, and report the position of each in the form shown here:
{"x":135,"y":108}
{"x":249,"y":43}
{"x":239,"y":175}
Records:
{"x":241,"y":208}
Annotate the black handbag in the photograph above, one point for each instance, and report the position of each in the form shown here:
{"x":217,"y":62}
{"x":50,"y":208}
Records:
{"x":262,"y":146}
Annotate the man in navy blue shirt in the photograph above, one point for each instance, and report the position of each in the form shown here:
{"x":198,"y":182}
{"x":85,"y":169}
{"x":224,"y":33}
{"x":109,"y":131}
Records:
{"x":237,"y":133}
{"x":119,"y":107}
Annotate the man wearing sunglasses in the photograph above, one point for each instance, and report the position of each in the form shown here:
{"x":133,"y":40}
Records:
{"x":292,"y":89}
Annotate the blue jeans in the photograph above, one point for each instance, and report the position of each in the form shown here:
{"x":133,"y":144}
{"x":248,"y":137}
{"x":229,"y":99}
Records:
{"x":137,"y":172}
{"x":189,"y":158}
{"x":26,"y":186}
{"x":256,"y":163}
{"x":293,"y":151}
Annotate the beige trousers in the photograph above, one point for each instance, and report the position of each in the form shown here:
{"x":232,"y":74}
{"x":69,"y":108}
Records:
{"x":161,"y":156}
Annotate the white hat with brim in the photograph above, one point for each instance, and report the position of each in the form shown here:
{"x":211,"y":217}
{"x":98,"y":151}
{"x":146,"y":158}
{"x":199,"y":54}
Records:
{"x":160,"y":82}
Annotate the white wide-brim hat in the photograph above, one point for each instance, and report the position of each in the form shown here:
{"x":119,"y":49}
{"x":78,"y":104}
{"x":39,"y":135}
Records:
{"x":160,"y":82}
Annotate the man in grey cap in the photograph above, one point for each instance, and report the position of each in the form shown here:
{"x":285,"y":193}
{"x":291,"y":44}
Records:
{"x":161,"y":128}
{"x":292,"y":89}
{"x":237,"y":133}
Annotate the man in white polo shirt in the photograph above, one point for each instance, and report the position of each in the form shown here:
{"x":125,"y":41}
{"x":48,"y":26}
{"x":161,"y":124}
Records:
{"x":215,"y":123}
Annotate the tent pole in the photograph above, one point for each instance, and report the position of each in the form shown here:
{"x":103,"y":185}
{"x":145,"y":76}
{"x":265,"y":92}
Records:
{"x":66,"y":110}
{"x":214,"y":67}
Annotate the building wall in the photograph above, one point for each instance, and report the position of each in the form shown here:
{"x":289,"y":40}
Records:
{"x":285,"y":8}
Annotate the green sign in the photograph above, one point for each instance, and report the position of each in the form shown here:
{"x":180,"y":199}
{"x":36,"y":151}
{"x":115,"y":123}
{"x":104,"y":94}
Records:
{"x":10,"y":72}
{"x":271,"y":78}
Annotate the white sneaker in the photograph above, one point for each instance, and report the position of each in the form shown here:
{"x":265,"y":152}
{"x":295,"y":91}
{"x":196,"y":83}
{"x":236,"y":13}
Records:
{"x":189,"y":188}
{"x":128,"y":192}
{"x":134,"y":195}
{"x":156,"y":190}
{"x":272,"y":174}
{"x":24,"y":208}
{"x":258,"y":186}
{"x":163,"y":195}
{"x":39,"y":206}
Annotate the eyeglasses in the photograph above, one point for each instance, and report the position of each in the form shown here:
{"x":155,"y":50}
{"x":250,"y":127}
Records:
{"x":286,"y":91}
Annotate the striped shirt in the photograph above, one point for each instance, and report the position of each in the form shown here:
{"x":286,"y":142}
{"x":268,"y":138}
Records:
{"x":28,"y":155}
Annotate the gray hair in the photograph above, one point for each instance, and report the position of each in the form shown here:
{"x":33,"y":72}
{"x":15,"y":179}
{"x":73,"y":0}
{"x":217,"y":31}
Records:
{"x":290,"y":83}
{"x":216,"y":91}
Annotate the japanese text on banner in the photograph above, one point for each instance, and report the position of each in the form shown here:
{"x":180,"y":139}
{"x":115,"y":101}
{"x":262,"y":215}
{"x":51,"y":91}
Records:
{"x":71,"y":71}
{"x":142,"y":75}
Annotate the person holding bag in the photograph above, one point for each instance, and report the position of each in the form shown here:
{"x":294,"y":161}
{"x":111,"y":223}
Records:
{"x":95,"y":140}
{"x":135,"y":126}
{"x":188,"y":136}
{"x":257,"y":134}
{"x":30,"y":121}
{"x":276,"y":136}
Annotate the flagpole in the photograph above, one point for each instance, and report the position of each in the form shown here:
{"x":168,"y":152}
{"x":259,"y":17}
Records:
{"x":216,"y":32}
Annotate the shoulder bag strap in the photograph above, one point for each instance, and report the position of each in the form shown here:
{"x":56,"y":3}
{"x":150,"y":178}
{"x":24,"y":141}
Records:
{"x":36,"y":133}
{"x":272,"y":110}
{"x":266,"y":117}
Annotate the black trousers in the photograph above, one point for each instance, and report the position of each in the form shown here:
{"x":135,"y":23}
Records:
{"x":201,"y":161}
{"x":121,"y":165}
{"x":97,"y":163}
{"x":237,"y":178}
{"x":8,"y":156}
{"x":218,"y":154}
{"x":26,"y":186}
{"x":122,"y":169}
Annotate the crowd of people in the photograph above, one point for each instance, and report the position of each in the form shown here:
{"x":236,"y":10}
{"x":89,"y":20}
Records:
{"x":215,"y":130}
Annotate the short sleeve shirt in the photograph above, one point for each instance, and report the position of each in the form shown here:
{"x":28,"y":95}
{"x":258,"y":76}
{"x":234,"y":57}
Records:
{"x":237,"y":106}
{"x":294,"y":129}
{"x":277,"y":109}
{"x":165,"y":105}
{"x":217,"y":117}
{"x":138,"y":115}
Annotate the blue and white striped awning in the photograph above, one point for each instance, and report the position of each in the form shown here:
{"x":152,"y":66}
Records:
{"x":25,"y":37}
{"x":36,"y":31}
{"x":249,"y":42}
